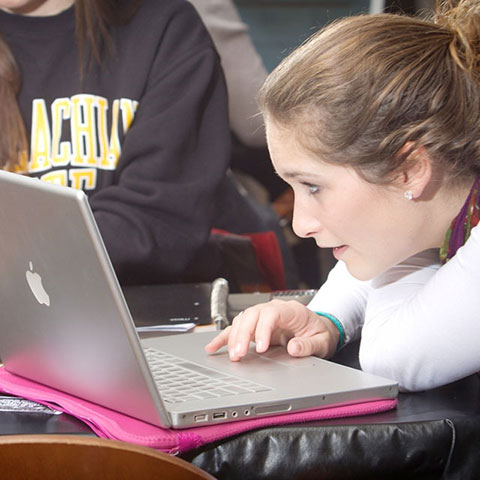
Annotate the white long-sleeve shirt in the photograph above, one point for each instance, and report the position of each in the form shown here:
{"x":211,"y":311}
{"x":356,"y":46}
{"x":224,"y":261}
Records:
{"x":419,"y":321}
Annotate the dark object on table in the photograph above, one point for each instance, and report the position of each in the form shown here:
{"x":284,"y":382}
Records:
{"x":152,"y":305}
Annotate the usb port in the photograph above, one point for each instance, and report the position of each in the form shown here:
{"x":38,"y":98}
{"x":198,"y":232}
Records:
{"x":219,"y":415}
{"x":200,"y":418}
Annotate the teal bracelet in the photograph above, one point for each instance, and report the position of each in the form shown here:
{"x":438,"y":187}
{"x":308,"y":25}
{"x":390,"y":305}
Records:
{"x":339,"y":326}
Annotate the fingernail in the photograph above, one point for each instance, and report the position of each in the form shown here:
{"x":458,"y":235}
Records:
{"x":259,"y":347}
{"x":238,"y":348}
{"x":295,"y":348}
{"x":232,"y":354}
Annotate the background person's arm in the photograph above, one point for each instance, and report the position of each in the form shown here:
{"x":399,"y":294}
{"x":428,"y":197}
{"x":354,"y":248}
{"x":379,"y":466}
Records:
{"x":158,"y":212}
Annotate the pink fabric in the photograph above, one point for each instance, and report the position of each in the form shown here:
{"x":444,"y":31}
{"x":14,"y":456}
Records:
{"x":107,"y":423}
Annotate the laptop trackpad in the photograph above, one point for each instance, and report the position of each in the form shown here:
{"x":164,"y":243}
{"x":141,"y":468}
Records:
{"x":189,"y":347}
{"x":273,"y":358}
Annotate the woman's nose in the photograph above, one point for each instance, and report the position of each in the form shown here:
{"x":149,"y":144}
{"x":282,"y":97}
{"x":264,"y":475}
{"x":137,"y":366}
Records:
{"x":304,"y":224}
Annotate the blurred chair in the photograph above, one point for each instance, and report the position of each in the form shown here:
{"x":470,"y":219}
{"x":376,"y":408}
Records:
{"x":76,"y":457}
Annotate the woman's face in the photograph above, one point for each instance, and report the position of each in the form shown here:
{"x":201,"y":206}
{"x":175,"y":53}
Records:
{"x":35,"y":7}
{"x":370,"y":227}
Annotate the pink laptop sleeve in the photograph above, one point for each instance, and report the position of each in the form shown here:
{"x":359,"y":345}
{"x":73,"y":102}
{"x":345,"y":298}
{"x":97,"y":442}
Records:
{"x":107,"y":423}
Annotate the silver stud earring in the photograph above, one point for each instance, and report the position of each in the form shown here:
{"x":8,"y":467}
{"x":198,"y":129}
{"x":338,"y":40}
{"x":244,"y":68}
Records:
{"x":408,"y":195}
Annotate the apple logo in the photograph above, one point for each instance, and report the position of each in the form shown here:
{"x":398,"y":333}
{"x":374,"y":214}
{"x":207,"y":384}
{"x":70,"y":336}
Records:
{"x":34,"y":281}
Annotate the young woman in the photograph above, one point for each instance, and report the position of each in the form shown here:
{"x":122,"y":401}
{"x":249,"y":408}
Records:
{"x":126,"y":100}
{"x":375,"y":123}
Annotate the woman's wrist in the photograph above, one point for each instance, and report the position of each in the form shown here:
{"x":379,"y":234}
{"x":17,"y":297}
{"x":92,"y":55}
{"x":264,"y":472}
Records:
{"x":339,"y":327}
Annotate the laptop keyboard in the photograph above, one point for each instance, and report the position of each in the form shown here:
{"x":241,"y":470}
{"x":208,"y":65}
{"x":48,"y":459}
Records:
{"x":181,"y":381}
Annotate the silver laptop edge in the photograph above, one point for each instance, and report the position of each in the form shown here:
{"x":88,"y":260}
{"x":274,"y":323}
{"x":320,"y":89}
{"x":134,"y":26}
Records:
{"x":157,"y":415}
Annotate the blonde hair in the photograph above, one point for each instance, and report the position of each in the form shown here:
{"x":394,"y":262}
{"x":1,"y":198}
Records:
{"x":360,"y":89}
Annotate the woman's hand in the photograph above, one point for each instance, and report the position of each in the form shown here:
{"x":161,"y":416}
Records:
{"x":278,"y":322}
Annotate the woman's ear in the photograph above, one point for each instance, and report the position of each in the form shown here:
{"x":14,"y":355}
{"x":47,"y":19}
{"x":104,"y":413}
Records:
{"x":416,"y":172}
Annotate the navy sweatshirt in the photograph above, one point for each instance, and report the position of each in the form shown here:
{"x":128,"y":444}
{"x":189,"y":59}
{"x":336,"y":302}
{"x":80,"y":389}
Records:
{"x":145,"y":135}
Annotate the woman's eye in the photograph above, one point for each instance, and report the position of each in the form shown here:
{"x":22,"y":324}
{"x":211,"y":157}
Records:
{"x":312,"y":189}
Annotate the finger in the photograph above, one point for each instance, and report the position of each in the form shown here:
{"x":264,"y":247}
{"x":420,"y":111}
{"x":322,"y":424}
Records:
{"x":219,"y":341}
{"x":267,"y":322}
{"x":242,"y":333}
{"x":304,"y":346}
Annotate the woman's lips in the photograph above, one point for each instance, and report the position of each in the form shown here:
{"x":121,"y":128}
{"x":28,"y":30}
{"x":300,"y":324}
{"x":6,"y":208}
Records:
{"x":338,"y":251}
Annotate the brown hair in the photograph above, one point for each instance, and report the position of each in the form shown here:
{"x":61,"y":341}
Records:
{"x":13,"y":139}
{"x":93,"y":19}
{"x":357,"y":91}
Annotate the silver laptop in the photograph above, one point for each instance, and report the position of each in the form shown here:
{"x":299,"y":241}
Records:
{"x":64,"y":322}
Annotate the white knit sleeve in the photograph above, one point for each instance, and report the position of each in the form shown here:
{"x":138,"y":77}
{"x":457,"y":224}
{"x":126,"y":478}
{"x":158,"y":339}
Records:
{"x":422,"y":325}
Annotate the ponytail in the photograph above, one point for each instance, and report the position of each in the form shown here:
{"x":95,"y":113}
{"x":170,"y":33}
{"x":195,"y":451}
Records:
{"x":462,"y":18}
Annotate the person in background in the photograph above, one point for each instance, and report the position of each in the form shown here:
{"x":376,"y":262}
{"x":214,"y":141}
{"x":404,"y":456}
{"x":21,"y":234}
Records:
{"x":375,"y":123}
{"x":245,"y":73}
{"x":126,"y":100}
{"x":243,"y":67}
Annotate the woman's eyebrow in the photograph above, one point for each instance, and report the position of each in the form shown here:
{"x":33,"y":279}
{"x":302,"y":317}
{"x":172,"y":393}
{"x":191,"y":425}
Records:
{"x":290,"y":174}
{"x":295,"y":174}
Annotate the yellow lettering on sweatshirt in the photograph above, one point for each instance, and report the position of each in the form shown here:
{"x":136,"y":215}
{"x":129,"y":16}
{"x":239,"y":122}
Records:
{"x":128,"y":108}
{"x":84,"y":134}
{"x":58,"y":177}
{"x":61,"y":151}
{"x":83,"y":178}
{"x":102,"y":104}
{"x":40,"y":139}
{"x":114,"y":147}
{"x":82,"y":124}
